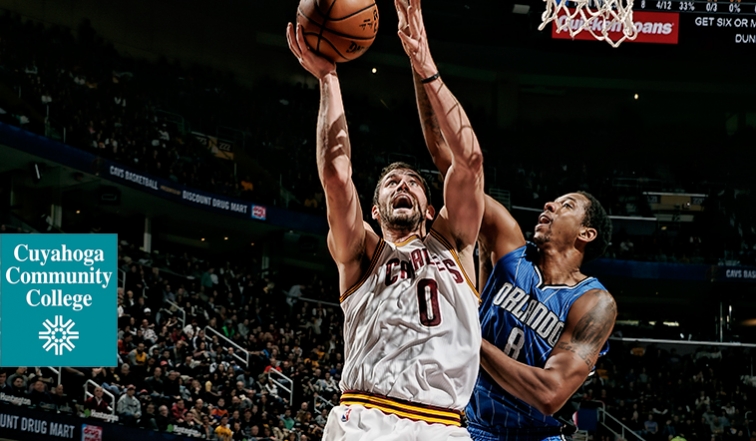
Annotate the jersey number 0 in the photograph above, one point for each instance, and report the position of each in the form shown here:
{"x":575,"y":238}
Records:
{"x":427,"y":298}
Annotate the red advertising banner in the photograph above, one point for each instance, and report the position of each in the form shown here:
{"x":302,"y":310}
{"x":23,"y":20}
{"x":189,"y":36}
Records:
{"x":653,"y":27}
{"x":91,"y":433}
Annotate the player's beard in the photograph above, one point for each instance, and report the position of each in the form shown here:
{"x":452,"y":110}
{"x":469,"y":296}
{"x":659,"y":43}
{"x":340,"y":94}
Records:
{"x":400,"y":221}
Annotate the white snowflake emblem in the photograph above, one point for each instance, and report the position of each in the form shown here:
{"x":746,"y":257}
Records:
{"x":58,"y":335}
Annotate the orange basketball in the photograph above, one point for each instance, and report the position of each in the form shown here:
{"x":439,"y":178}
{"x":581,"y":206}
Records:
{"x":340,"y":30}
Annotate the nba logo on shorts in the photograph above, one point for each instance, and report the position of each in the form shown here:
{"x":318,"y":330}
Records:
{"x":345,"y":417}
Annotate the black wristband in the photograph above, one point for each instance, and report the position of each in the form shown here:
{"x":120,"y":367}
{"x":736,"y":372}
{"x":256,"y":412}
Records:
{"x":431,"y":78}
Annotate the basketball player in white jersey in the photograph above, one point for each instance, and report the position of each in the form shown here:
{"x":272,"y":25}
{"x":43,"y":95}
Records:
{"x":412,"y":335}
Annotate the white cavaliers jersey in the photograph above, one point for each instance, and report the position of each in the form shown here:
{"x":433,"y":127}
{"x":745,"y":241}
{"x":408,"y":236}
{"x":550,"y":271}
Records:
{"x":412,"y":330}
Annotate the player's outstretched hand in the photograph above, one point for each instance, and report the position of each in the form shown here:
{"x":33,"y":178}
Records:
{"x":314,"y":63}
{"x":414,"y":39}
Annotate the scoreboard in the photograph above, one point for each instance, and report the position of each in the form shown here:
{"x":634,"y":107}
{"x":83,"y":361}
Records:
{"x":723,"y":8}
{"x":717,"y":23}
{"x":700,"y":24}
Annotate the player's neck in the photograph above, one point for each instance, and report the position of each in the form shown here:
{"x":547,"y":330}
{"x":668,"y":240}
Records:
{"x":400,"y":235}
{"x":560,"y":267}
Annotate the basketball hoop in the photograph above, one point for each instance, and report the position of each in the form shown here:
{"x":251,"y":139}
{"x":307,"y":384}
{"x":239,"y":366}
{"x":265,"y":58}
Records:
{"x":606,"y":20}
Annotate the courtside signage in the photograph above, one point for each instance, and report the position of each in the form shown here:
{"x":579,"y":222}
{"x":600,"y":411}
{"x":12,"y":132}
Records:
{"x":652,"y":27}
{"x":58,"y":300}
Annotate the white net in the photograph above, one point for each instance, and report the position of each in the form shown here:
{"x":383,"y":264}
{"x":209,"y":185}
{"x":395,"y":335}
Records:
{"x":606,"y":20}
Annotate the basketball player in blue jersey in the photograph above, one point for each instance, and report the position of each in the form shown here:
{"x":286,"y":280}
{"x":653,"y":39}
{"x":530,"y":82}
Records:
{"x":544,"y":323}
{"x":411,"y":331}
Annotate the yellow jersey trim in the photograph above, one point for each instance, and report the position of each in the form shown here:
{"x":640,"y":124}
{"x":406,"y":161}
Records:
{"x":368,"y":272}
{"x":454,"y":254}
{"x":406,"y":241}
{"x":403,"y":409}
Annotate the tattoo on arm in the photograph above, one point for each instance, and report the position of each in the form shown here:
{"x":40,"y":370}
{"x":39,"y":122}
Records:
{"x":591,"y":331}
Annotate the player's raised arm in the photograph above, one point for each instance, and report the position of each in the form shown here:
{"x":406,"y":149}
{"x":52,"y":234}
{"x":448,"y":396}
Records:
{"x":347,"y":235}
{"x":588,"y":326}
{"x":499,"y":232}
{"x":463,"y":187}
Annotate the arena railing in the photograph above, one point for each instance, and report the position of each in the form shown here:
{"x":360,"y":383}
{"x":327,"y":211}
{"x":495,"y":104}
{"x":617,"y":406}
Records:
{"x":181,"y":123}
{"x":56,"y":371}
{"x":317,"y":398}
{"x":88,"y":394}
{"x":658,"y":341}
{"x":746,"y":418}
{"x":55,"y":131}
{"x":180,"y":309}
{"x":122,"y":273}
{"x":209,"y":330}
{"x":236,"y":135}
{"x":319,"y":301}
{"x":289,"y":389}
{"x":617,"y":428}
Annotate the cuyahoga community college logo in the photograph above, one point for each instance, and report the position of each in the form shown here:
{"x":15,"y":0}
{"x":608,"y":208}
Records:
{"x":58,"y":335}
{"x":58,"y":300}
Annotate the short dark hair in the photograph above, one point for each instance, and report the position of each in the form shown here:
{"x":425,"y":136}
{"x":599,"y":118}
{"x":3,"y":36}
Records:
{"x":396,"y":166}
{"x":596,"y":217}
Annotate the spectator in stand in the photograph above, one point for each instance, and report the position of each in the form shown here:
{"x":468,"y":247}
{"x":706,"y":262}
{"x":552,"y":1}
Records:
{"x":207,"y":279}
{"x":247,"y":421}
{"x":199,"y":338}
{"x":280,"y":432}
{"x":148,"y":331}
{"x":272,"y":364}
{"x":148,"y":420}
{"x":223,"y":432}
{"x":668,"y":431}
{"x":172,"y":386}
{"x":178,"y":411}
{"x":327,"y":385}
{"x":188,"y":422}
{"x":165,"y":360}
{"x":238,"y":434}
{"x":38,"y":395}
{"x":19,"y":373}
{"x":138,"y":359}
{"x":703,"y":401}
{"x":196,"y":390}
{"x":96,"y":402}
{"x":129,"y":409}
{"x":229,"y":330}
{"x":63,"y":402}
{"x":155,"y":384}
{"x":163,"y":418}
{"x":4,"y":387}
{"x":198,"y":409}
{"x":17,"y":388}
{"x":126,"y":344}
{"x":202,"y":354}
{"x":635,"y":424}
{"x":219,"y":410}
{"x":205,"y":429}
{"x":126,"y":377}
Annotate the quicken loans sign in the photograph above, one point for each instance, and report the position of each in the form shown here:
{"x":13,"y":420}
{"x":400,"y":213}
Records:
{"x":58,"y":298}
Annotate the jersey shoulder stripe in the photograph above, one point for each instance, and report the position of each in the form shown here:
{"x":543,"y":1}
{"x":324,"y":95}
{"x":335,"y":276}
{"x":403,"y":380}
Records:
{"x":445,"y":243}
{"x":369,"y":271}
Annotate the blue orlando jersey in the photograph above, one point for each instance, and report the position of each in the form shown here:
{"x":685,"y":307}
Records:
{"x":525,"y":319}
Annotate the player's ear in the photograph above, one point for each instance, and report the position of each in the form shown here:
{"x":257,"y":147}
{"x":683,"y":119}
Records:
{"x":430,"y":212}
{"x":375,"y":213}
{"x":587,"y":234}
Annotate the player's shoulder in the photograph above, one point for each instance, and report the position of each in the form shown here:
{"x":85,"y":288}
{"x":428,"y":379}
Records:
{"x":527,"y":253}
{"x":596,"y":301}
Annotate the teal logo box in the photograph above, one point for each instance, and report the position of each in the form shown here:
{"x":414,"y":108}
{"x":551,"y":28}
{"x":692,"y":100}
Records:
{"x":58,"y":300}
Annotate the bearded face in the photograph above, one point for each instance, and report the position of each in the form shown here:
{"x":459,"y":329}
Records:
{"x":402,"y":204}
